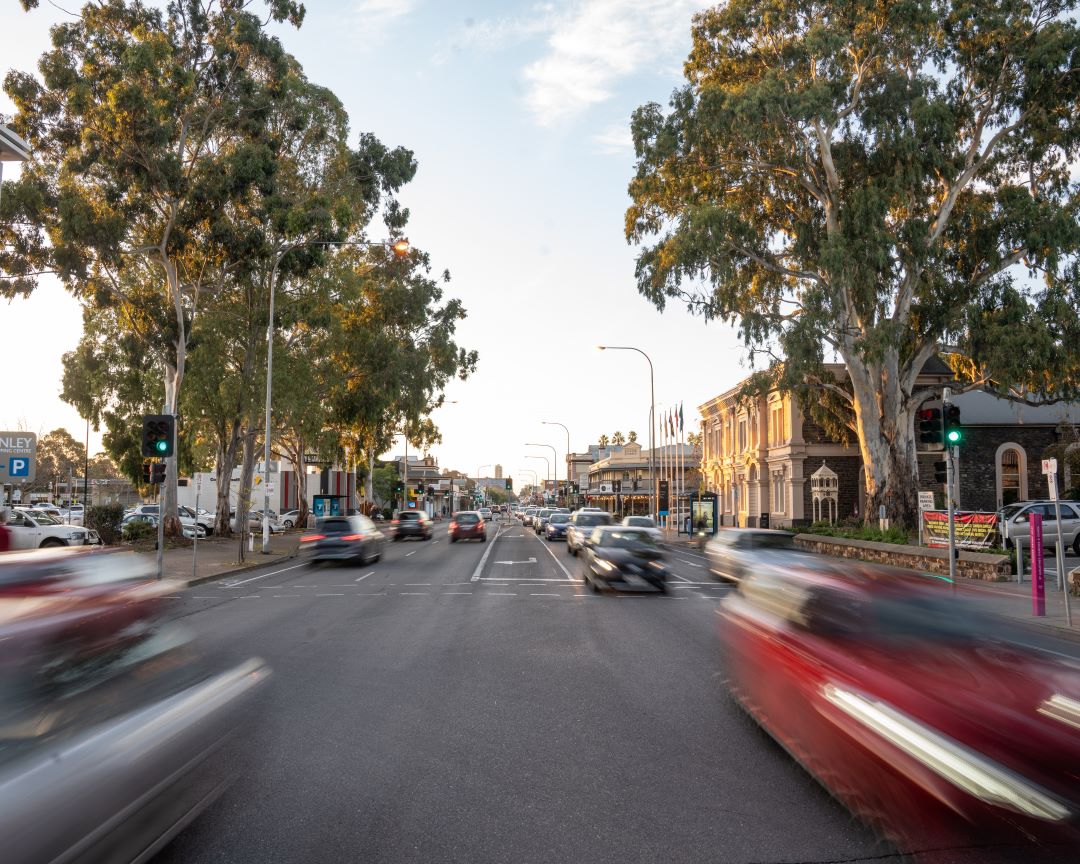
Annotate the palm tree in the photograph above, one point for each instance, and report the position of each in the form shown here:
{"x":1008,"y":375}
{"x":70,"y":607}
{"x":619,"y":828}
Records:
{"x":631,"y":437}
{"x":603,"y":441}
{"x":618,"y":439}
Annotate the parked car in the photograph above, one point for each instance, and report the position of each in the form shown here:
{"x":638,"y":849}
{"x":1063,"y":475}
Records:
{"x":188,"y":530}
{"x":189,"y":524}
{"x":943,"y":725}
{"x":33,"y":529}
{"x":581,"y":526}
{"x":734,"y":552}
{"x":645,"y":523}
{"x":202,"y":519}
{"x":411,"y":523}
{"x":556,"y":526}
{"x":344,"y":538}
{"x":289,"y":519}
{"x":255,"y":523}
{"x":467,"y":525}
{"x":1014,"y":522}
{"x":625,"y":558}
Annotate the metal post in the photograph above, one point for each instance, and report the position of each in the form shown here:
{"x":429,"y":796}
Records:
{"x":1059,"y":554}
{"x":161,"y":528}
{"x":195,"y":541}
{"x":86,"y":475}
{"x":269,"y":391}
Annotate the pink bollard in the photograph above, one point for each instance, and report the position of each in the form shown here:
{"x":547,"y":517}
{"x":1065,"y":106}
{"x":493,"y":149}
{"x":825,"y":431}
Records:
{"x":1038,"y":583}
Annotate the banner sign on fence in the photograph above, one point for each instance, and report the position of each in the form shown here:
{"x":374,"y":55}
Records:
{"x":973,"y":530}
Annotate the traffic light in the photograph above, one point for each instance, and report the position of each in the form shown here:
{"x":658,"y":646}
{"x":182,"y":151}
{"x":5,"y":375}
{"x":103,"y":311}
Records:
{"x":399,"y":487}
{"x":419,"y":489}
{"x":941,"y":472}
{"x":146,"y":473}
{"x":509,"y":484}
{"x":954,"y":433}
{"x":930,"y":428}
{"x":158,"y":435}
{"x":157,"y":473}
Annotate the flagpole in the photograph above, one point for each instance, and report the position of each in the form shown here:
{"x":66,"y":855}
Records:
{"x":663,"y":466}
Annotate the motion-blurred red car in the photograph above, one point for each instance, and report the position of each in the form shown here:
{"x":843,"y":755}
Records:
{"x":467,"y":525}
{"x":63,"y":608}
{"x":942,"y":725}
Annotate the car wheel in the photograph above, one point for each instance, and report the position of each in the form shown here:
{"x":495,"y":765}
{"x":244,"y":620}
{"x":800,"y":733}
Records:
{"x":453,"y":539}
{"x":1076,"y":545}
{"x":51,"y":542}
{"x":595,"y":586}
{"x":287,"y":523}
{"x":396,"y":539}
{"x":483,"y":539}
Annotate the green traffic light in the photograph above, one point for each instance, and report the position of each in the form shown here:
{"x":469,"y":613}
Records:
{"x":954,"y":436}
{"x":161,"y":446}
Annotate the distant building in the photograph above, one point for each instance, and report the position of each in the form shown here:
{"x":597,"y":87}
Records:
{"x":498,"y":472}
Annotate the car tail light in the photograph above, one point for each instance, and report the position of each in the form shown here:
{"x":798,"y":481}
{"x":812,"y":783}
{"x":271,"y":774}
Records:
{"x":393,"y":521}
{"x":353,"y":537}
{"x":453,"y":525}
{"x":307,"y":538}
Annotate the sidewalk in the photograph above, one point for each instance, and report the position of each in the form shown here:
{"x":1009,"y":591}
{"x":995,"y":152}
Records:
{"x":221,"y":556}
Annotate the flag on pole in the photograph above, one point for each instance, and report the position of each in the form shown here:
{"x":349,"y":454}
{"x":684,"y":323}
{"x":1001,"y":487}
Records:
{"x":680,"y":417}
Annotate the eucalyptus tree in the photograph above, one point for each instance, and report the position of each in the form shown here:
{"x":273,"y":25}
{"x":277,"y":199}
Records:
{"x":137,"y":125}
{"x":879,"y":182}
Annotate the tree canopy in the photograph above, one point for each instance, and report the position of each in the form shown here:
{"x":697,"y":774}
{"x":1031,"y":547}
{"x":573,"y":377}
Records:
{"x":879,"y":182}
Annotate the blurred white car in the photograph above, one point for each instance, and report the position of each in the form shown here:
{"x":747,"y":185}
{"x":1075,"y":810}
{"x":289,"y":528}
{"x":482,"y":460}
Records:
{"x":32,"y":528}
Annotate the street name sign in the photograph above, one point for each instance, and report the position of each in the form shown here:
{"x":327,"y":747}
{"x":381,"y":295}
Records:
{"x":18,"y":457}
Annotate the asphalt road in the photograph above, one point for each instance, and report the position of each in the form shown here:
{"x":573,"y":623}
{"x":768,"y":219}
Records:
{"x":472,"y":702}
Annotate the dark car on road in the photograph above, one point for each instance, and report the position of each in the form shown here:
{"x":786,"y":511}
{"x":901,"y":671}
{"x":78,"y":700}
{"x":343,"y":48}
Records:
{"x":344,"y":538}
{"x":628,"y":559}
{"x":734,"y":552}
{"x":581,"y":526}
{"x":939,"y":723}
{"x":467,"y":525}
{"x":411,"y":523}
{"x":556,"y":526}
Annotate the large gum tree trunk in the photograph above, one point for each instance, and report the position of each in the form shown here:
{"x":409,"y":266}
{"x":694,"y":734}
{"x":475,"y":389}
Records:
{"x":243,"y":495}
{"x":884,"y":421}
{"x":225,"y":466}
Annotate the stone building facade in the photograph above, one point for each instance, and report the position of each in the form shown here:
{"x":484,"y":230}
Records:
{"x":758,"y":454}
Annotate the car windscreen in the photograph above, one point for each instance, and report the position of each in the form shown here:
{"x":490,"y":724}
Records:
{"x":43,"y":518}
{"x":559,"y":518}
{"x":589,"y":519}
{"x":335,"y":526}
{"x":467,"y":518}
{"x":407,"y":515}
{"x":639,"y":522}
{"x":627,"y":539}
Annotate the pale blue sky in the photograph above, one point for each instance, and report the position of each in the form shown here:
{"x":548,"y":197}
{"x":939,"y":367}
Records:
{"x":518,"y":114}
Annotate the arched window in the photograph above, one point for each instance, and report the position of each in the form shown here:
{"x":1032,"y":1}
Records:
{"x":1011,"y":474}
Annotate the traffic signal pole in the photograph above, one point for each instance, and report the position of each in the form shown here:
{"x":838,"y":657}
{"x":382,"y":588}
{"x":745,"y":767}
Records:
{"x":161,"y":530}
{"x":950,"y":454}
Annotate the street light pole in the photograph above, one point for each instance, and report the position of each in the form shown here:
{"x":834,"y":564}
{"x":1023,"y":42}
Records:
{"x":652,"y":424}
{"x":556,"y":423}
{"x":546,"y":462}
{"x":480,"y":468}
{"x":400,"y":247}
{"x":555,"y":459}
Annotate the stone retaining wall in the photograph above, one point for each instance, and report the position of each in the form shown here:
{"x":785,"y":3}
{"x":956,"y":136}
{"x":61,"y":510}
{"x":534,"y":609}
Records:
{"x":973,"y":565}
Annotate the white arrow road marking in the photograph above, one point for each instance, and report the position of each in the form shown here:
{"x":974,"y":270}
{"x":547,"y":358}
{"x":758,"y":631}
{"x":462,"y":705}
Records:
{"x":530,"y":561}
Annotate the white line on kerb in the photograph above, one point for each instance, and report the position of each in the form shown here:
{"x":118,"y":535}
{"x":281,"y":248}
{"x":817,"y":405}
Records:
{"x":264,"y":575}
{"x":362,"y":578}
{"x":483,"y":558}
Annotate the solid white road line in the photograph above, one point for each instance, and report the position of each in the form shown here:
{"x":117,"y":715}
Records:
{"x":329,"y":595}
{"x":286,"y":595}
{"x":362,"y":578}
{"x":407,"y":554}
{"x":556,"y":560}
{"x":502,"y":594}
{"x":263,"y":576}
{"x":414,"y":593}
{"x":483,"y":558}
{"x":545,"y":595}
{"x":457,"y":592}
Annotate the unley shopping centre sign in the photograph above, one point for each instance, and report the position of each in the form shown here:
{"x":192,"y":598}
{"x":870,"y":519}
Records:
{"x":18,"y":457}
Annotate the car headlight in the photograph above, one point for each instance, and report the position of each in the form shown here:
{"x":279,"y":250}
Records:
{"x":606,"y":566}
{"x":961,"y":766}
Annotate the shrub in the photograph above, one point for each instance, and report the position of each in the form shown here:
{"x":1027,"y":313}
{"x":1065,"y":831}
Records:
{"x":893,"y":534}
{"x":105,"y":519}
{"x":138,"y":531}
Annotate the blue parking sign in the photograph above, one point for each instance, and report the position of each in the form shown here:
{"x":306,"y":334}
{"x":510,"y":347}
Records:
{"x":18,"y":466}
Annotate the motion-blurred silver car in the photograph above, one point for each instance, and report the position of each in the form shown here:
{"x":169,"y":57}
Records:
{"x":733,"y":552}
